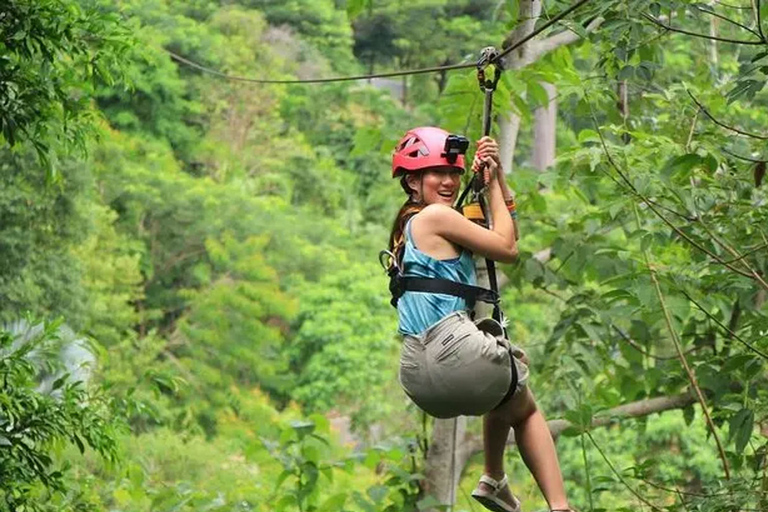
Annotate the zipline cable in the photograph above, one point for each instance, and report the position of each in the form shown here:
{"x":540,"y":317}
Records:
{"x":420,"y":71}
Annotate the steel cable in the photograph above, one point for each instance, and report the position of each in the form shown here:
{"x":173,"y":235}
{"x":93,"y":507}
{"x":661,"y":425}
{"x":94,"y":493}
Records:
{"x":420,"y":71}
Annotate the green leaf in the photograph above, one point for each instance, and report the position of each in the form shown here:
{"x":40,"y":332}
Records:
{"x":355,"y":7}
{"x":287,"y":502}
{"x":588,"y":135}
{"x":747,"y":88}
{"x":429,"y":502}
{"x":367,"y":139}
{"x":302,"y":428}
{"x":377,"y":493}
{"x":363,"y":503}
{"x":79,"y":443}
{"x":590,"y":331}
{"x":538,"y":93}
{"x":280,"y":479}
{"x":682,"y":163}
{"x":571,"y":431}
{"x":616,"y":295}
{"x":626,"y":73}
{"x":645,"y":71}
{"x":334,"y":503}
{"x":740,"y":428}
{"x":59,"y":382}
{"x":688,"y":414}
{"x":311,"y":453}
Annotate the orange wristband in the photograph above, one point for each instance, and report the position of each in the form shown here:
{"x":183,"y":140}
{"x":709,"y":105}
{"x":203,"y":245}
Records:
{"x":511,"y":208}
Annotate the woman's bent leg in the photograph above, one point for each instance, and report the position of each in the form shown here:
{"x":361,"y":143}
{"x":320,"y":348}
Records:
{"x":496,"y":427}
{"x":533,"y":440}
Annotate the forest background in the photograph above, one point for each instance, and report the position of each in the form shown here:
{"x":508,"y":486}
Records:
{"x":194,"y":317}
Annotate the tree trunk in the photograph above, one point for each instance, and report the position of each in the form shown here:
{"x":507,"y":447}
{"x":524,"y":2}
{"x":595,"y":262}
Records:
{"x":544,"y":131}
{"x":623,"y":106}
{"x":442,"y":78}
{"x":713,"y":26}
{"x":443,"y":471}
{"x":509,"y":122}
{"x":404,"y":96}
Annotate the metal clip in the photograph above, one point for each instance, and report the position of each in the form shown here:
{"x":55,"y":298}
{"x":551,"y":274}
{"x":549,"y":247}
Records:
{"x":392,"y":262}
{"x":489,"y":55}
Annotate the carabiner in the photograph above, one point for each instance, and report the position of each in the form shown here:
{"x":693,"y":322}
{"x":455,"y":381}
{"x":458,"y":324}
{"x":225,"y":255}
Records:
{"x":392,"y":262}
{"x":489,"y":55}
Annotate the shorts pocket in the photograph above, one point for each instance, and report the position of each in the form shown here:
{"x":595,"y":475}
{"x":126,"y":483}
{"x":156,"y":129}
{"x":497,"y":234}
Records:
{"x":450,"y":345}
{"x":411,"y":353}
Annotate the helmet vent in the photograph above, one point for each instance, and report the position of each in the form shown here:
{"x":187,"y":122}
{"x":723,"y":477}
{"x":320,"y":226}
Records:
{"x":420,"y":151}
{"x":407,"y":142}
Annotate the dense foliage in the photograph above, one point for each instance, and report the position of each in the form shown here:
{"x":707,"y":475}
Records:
{"x":213,"y":244}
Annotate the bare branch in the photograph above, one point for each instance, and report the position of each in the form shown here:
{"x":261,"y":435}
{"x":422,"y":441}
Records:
{"x":751,"y":251}
{"x":618,"y":475}
{"x":640,"y":349}
{"x":720,"y":123}
{"x":702,"y":36}
{"x":677,"y":491}
{"x":738,"y":257}
{"x":725,"y":327}
{"x":690,"y":133}
{"x":638,"y":409}
{"x":741,"y":157}
{"x":729,"y":20}
{"x":729,"y":6}
{"x":563,"y":38}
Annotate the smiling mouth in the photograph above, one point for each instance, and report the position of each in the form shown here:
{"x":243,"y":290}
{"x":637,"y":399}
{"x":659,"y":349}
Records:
{"x":446,"y":195}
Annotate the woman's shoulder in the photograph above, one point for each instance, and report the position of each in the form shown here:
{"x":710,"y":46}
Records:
{"x":436,"y":212}
{"x":432,"y":220}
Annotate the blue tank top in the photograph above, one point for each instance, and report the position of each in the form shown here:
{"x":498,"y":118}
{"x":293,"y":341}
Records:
{"x":419,"y":310}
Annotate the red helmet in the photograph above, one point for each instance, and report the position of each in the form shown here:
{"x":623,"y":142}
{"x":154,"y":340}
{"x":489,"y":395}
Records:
{"x":421,"y":148}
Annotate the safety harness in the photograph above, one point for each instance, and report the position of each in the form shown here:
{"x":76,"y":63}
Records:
{"x":399,"y":283}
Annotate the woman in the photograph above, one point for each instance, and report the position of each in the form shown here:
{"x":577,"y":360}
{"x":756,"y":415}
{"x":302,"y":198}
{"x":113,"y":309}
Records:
{"x":449,"y":365}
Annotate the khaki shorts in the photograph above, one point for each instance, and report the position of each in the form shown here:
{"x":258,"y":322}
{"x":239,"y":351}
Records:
{"x":460,"y":368}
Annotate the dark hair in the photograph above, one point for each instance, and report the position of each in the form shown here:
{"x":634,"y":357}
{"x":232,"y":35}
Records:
{"x":408,"y":210}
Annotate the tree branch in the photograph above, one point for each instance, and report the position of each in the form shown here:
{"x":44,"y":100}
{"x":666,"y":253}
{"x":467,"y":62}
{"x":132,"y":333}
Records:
{"x":640,"y":349}
{"x":741,"y":157}
{"x":725,"y":327}
{"x":618,"y":474}
{"x":751,"y":251}
{"x":563,"y":38}
{"x":720,"y":123}
{"x":702,"y":36}
{"x":729,"y":20}
{"x":738,"y":257}
{"x":638,"y":409}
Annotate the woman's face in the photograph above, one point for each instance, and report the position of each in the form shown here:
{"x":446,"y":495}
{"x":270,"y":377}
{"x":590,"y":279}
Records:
{"x":439,"y":185}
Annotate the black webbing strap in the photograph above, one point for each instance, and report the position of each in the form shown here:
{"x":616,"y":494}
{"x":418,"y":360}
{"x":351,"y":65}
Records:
{"x":399,"y":284}
{"x":488,"y":55}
